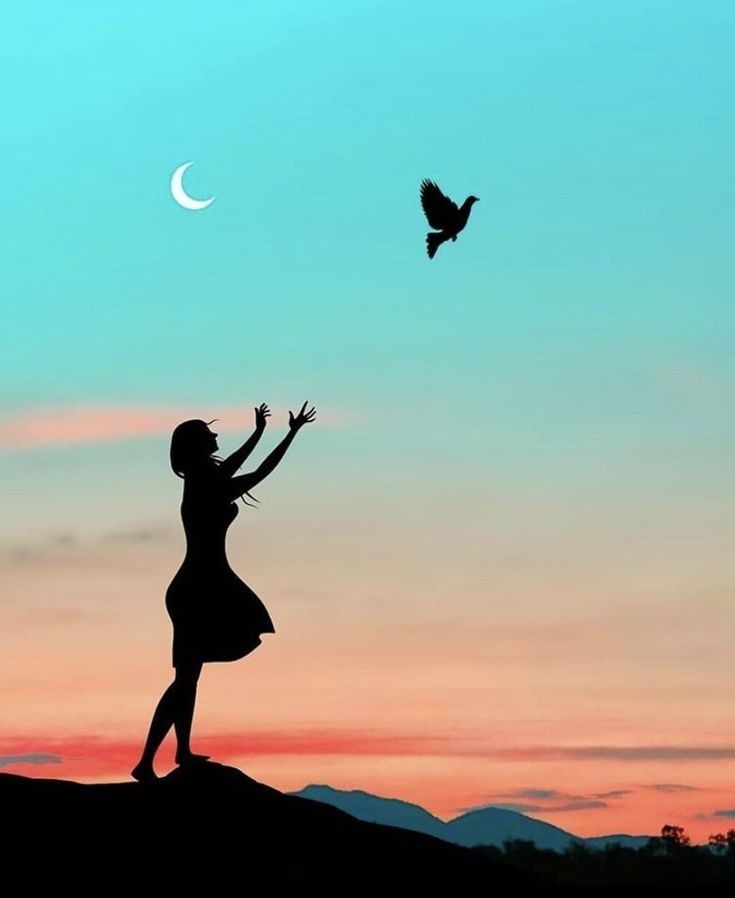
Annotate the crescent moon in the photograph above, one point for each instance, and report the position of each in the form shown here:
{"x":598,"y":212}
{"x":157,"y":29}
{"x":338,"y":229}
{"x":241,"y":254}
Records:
{"x":181,"y":196}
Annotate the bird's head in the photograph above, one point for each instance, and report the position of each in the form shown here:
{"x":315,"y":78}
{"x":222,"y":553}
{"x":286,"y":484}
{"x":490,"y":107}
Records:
{"x":472,"y":199}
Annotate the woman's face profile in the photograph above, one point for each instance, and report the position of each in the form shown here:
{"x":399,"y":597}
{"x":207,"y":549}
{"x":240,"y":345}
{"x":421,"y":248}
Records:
{"x":211,"y":440}
{"x":202,"y":440}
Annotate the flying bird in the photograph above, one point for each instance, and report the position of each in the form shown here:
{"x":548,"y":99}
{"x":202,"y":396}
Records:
{"x":443,"y":215}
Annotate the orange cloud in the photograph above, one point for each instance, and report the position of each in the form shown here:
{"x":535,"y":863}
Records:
{"x":104,"y":423}
{"x":93,"y":756}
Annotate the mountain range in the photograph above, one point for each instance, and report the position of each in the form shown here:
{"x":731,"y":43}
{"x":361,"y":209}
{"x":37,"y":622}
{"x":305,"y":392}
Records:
{"x":482,"y":826}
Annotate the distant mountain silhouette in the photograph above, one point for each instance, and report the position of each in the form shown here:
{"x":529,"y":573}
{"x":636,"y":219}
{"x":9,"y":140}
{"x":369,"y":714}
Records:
{"x":485,"y":826}
{"x":212,"y":827}
{"x":374,"y":809}
{"x":493,"y":826}
{"x":626,"y":841}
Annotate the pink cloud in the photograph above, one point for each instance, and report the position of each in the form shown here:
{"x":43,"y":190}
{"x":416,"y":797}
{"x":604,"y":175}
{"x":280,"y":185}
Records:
{"x":88,"y":755}
{"x":91,"y":756}
{"x":104,"y":423}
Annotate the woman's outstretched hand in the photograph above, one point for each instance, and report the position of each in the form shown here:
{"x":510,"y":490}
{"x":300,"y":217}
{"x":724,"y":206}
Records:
{"x":301,"y":419}
{"x":261,"y":414}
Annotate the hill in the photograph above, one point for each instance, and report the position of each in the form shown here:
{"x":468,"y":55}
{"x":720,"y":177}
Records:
{"x":212,"y":826}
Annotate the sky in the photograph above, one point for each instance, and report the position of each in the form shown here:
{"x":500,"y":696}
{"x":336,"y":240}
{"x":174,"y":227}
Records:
{"x":499,"y":563}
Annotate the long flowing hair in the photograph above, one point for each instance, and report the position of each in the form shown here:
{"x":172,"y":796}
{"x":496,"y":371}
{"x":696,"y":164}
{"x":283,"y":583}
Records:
{"x":187,"y":453}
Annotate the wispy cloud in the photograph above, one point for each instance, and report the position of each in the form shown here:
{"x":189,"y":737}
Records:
{"x":618,"y":753}
{"x":527,"y":808}
{"x":726,"y":812}
{"x":396,"y":744}
{"x":60,"y":548}
{"x":95,"y":755}
{"x":140,"y":534}
{"x":43,"y":426}
{"x":547,"y":800}
{"x":539,"y":794}
{"x":92,"y":756}
{"x":672,"y":787}
{"x":8,"y":760}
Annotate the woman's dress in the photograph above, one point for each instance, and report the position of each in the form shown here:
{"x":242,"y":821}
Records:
{"x":215,"y":616}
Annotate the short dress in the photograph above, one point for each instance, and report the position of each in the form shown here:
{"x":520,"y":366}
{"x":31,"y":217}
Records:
{"x":215,"y":615}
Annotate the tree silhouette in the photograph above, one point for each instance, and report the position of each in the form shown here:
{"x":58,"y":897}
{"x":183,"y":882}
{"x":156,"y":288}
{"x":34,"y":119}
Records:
{"x":668,"y":860}
{"x":674,"y":837}
{"x":724,"y":842}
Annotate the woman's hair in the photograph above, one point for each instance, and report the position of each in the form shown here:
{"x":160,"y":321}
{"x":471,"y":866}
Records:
{"x":189,"y":451}
{"x":189,"y":448}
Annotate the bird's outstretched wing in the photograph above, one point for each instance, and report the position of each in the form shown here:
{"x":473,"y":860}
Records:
{"x":439,"y":210}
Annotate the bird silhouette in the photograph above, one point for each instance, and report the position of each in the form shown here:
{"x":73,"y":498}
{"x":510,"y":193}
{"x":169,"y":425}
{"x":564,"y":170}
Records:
{"x":443,"y":215}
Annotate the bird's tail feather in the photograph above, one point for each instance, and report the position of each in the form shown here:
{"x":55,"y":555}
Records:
{"x":433,"y":242}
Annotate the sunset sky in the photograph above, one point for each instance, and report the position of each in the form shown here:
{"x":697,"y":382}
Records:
{"x":500,"y":562}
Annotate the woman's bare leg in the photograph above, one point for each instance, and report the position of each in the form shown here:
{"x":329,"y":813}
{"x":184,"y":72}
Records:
{"x":175,"y":708}
{"x":185,"y":716}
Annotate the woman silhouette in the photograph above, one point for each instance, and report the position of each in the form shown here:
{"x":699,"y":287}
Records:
{"x":215,"y":616}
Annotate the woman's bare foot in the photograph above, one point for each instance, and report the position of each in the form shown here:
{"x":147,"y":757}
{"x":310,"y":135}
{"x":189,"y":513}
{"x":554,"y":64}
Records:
{"x":144,"y":773}
{"x":184,"y":760}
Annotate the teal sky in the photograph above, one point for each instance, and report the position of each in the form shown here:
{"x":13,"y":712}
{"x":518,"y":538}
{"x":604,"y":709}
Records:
{"x":578,"y":332}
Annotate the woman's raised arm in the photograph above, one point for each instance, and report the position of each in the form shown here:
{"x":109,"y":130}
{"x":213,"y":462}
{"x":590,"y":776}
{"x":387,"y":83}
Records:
{"x":234,"y":461}
{"x":245,"y":482}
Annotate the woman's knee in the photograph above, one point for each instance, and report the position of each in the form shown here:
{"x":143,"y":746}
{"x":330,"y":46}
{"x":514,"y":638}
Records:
{"x":188,"y":675}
